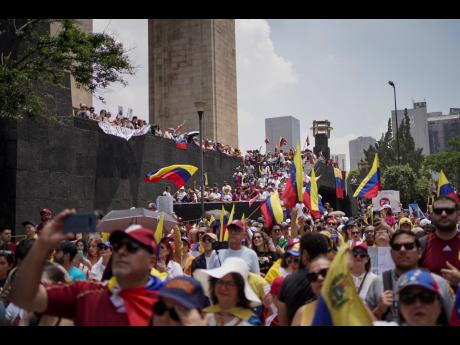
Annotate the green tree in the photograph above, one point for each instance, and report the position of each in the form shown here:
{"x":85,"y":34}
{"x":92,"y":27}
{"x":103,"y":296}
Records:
{"x":448,"y":161}
{"x":385,"y":149}
{"x":408,"y":153}
{"x":402,"y":178}
{"x":33,"y":61}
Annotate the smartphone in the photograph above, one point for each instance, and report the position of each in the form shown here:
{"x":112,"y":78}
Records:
{"x":80,"y":223}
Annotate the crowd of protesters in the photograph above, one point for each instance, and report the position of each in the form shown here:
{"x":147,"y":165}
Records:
{"x":259,"y":276}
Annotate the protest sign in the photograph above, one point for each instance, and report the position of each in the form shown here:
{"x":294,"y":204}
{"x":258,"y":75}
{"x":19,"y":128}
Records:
{"x":381,"y":260}
{"x":165,"y":204}
{"x":387,"y":197}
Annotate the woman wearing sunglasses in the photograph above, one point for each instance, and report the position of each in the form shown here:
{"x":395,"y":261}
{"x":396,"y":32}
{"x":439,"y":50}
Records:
{"x":316,"y":275}
{"x":261,"y":245}
{"x":361,"y":269}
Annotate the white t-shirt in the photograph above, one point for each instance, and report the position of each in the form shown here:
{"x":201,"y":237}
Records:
{"x":97,"y":270}
{"x":174,"y":269}
{"x":244,"y":253}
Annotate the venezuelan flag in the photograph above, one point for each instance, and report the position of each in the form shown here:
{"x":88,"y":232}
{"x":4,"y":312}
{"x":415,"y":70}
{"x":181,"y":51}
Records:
{"x":315,"y":205}
{"x":340,"y":304}
{"x":272,"y":211}
{"x":339,"y":185}
{"x":293,"y":191}
{"x":371,"y":185}
{"x":181,"y":143}
{"x":445,"y":188}
{"x":177,"y":174}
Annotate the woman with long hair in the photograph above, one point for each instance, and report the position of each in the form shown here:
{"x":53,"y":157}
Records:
{"x":261,"y":245}
{"x":165,"y":262}
{"x":93,"y":252}
{"x":231,"y":295}
{"x":361,"y":269}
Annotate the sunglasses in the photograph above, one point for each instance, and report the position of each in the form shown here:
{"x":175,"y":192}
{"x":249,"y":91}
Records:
{"x":103,"y":247}
{"x":425,"y":297}
{"x":208,"y":239}
{"x":257,"y":237}
{"x":313,"y":276}
{"x":330,"y":223}
{"x":408,"y":246}
{"x":448,"y":210}
{"x":130,"y":246}
{"x":359,"y":254}
{"x":160,"y":309}
{"x":355,"y":232}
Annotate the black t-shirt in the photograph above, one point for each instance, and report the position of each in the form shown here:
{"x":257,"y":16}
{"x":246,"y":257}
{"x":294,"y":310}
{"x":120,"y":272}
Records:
{"x":295,"y":292}
{"x":266,"y":260}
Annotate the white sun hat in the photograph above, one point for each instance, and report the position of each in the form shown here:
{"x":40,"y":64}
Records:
{"x":230,"y":265}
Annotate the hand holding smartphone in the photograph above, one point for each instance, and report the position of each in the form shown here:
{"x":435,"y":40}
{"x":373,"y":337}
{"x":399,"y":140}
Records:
{"x":80,"y":223}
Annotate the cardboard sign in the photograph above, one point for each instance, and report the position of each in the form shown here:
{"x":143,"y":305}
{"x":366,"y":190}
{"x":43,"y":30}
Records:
{"x":165,"y":204}
{"x":387,"y":197}
{"x":381,"y":260}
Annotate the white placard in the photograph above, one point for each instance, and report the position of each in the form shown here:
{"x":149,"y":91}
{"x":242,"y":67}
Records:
{"x":381,"y":260}
{"x":123,"y":132}
{"x":165,"y":204}
{"x":387,"y":197}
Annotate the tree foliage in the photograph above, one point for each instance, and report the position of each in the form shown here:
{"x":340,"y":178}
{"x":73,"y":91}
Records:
{"x":33,"y":60}
{"x":448,"y":161}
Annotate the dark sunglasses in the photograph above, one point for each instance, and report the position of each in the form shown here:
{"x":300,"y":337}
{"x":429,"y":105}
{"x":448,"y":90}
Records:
{"x":293,"y":260}
{"x":408,"y":246}
{"x":330,"y":223}
{"x":256,"y":237}
{"x":360,"y":254}
{"x":160,"y":309}
{"x":131,"y":247}
{"x":448,"y":210}
{"x":425,"y":297}
{"x":313,"y":276}
{"x":102,"y":246}
{"x":208,"y":239}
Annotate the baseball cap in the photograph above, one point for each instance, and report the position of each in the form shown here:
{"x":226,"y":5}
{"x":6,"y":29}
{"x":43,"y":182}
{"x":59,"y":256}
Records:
{"x":360,"y":245}
{"x":294,"y":250}
{"x":45,"y":211}
{"x":137,"y":233}
{"x":186,"y":291}
{"x":420,"y":278}
{"x":29,"y":222}
{"x":106,"y":244}
{"x":386,"y":206}
{"x":237,"y":223}
{"x":405,"y":220}
{"x":211,"y":235}
{"x":424,"y":222}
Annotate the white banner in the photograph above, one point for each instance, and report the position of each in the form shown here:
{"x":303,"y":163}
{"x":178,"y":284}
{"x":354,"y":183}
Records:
{"x":381,"y":260}
{"x":387,"y":197}
{"x":123,"y":132}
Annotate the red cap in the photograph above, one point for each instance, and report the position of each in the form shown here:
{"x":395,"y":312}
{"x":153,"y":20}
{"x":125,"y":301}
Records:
{"x":138,"y":233}
{"x":46,"y":211}
{"x":361,"y":245}
{"x":276,"y":285}
{"x":238,"y":223}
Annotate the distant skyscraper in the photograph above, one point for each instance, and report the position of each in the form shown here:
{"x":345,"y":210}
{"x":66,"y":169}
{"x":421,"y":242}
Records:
{"x":341,"y":160}
{"x":194,"y":60}
{"x":287,"y":127}
{"x":441,"y":128}
{"x":357,"y":147}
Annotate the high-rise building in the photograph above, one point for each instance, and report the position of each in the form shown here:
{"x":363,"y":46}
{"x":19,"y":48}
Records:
{"x":441,"y":128}
{"x":357,"y":147}
{"x":194,"y":60}
{"x":287,"y":127}
{"x":341,"y":160}
{"x":418,"y":117}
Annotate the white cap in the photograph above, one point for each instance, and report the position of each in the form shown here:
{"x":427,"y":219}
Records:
{"x":386,"y":206}
{"x":424,"y":222}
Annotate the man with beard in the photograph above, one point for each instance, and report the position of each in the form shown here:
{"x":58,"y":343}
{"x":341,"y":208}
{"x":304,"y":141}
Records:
{"x":64,"y":256}
{"x":369,"y":235}
{"x":382,"y":295}
{"x":441,"y":253}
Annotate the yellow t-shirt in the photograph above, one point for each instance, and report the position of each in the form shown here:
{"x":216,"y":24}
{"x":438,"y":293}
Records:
{"x":308,"y":313}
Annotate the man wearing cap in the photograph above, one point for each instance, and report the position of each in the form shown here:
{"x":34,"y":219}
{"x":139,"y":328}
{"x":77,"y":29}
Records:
{"x":405,"y":252}
{"x":127,"y":299}
{"x":30,"y":230}
{"x":207,"y":243}
{"x":405,"y":224}
{"x":45,"y":216}
{"x":64,"y":256}
{"x":236,"y":234}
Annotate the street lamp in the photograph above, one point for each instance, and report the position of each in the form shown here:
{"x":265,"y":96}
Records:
{"x":199,"y":105}
{"x":396,"y":115}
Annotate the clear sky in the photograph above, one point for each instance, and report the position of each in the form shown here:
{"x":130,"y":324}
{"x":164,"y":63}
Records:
{"x":320,"y":69}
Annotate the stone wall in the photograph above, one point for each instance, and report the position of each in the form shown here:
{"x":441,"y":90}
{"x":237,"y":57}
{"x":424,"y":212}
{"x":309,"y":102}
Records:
{"x":77,"y":165}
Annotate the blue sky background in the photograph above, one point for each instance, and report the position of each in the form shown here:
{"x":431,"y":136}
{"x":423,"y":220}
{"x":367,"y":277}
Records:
{"x":321,"y":69}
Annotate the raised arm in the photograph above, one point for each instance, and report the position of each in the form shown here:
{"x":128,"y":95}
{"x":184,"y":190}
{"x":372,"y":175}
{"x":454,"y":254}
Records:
{"x":27,"y":292}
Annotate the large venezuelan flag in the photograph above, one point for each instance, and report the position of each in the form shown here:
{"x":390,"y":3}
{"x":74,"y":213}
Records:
{"x":293,"y":191}
{"x":340,"y":304}
{"x":316,"y":206}
{"x":370,"y":186}
{"x":272,"y":211}
{"x":445,"y":188}
{"x":339,"y":185}
{"x":177,"y":174}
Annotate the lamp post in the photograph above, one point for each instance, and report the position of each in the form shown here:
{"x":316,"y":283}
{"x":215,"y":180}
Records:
{"x":199,"y":105}
{"x":396,"y":115}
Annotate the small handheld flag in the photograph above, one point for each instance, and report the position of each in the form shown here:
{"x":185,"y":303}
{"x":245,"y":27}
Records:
{"x":370,"y":186}
{"x":293,"y":192}
{"x":272,"y":211}
{"x":339,"y":185}
{"x":177,"y":174}
{"x":181,"y":143}
{"x":159,"y":230}
{"x":445,"y":188}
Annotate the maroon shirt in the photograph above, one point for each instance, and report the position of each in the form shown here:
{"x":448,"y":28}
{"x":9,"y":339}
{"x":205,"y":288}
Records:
{"x":87,"y":303}
{"x":438,"y":251}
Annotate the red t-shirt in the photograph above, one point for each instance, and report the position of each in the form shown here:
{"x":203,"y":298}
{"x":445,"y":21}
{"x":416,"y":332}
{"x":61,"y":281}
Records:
{"x":87,"y":303}
{"x":438,"y":251}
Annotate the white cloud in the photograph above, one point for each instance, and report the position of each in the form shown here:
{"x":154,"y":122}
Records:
{"x":263,"y":76}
